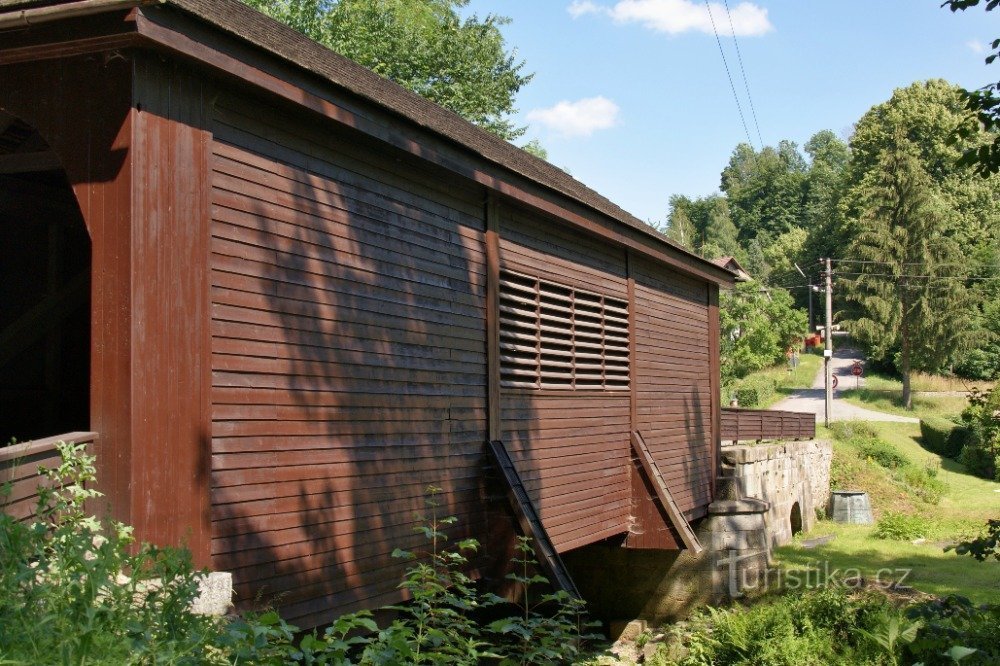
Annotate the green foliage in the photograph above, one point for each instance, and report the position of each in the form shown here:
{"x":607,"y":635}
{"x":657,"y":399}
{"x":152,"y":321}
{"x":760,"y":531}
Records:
{"x":845,"y":430}
{"x":901,"y":226}
{"x":73,"y":592}
{"x":757,"y":327}
{"x":423,"y":45}
{"x":436,"y":625}
{"x":813,"y":627}
{"x":892,"y":632}
{"x":984,"y":104}
{"x":983,"y":547}
{"x":981,"y":453}
{"x":943,"y":437}
{"x":922,"y":482}
{"x":954,"y":630}
{"x":900,"y":527}
{"x":765,"y":189}
{"x":549,"y":629}
{"x":753,"y":391}
{"x":879,"y":451}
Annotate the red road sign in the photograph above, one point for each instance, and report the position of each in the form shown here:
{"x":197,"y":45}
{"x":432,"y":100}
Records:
{"x":834,"y":381}
{"x":856,"y":370}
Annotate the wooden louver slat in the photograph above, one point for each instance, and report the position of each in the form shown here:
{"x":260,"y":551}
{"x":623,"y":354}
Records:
{"x":558,"y":337}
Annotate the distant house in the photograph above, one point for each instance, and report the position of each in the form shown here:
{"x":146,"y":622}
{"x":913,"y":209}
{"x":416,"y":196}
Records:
{"x":733,"y":266}
{"x":289,"y":295}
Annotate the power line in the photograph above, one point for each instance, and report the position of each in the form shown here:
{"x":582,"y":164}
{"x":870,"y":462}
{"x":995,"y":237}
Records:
{"x":732,"y":86}
{"x":746,"y":82}
{"x":905,"y":263}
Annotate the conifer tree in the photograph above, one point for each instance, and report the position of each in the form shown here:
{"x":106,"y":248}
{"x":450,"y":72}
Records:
{"x":908,"y":294}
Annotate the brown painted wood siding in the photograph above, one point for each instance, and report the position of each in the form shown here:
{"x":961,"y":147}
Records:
{"x":348,"y":341}
{"x":571,"y":447}
{"x":673,"y":380}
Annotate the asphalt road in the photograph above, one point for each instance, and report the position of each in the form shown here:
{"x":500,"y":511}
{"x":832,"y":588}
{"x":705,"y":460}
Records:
{"x":812,"y":399}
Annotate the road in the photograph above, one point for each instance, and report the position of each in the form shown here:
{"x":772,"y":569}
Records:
{"x":811,"y":399}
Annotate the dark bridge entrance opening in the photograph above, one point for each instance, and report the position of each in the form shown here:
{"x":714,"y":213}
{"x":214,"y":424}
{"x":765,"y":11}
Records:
{"x":45,"y":258}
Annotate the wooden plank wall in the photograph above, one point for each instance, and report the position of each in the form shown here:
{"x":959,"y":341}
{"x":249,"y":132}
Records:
{"x":673,"y":380}
{"x":571,"y":447}
{"x":348,"y":339}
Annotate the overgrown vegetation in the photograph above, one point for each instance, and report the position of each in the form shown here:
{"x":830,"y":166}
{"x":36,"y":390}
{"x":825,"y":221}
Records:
{"x":918,"y":481}
{"x":899,"y":527}
{"x":758,"y":327}
{"x":981,"y":451}
{"x":76,"y":591}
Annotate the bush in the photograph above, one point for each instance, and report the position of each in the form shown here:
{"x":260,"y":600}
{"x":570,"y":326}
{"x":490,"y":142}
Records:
{"x":899,"y":527}
{"x":952,"y":623}
{"x":845,"y":430}
{"x":923,"y":482}
{"x":882,"y":452}
{"x":980,"y":461}
{"x":754,"y":391}
{"x":981,"y":453}
{"x":942,"y":436}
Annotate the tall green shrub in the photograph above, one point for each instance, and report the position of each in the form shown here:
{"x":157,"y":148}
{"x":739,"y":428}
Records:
{"x":943,"y":437}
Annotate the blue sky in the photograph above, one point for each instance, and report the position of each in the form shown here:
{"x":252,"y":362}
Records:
{"x":631,"y":96}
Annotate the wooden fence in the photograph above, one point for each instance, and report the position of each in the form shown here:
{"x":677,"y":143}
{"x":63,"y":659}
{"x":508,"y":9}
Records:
{"x":19,"y":466}
{"x":759,"y":424}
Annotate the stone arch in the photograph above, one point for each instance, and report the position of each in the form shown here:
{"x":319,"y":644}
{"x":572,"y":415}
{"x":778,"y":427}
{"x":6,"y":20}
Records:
{"x":795,"y":519}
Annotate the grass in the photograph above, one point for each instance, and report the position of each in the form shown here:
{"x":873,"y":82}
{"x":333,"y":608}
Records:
{"x":876,"y":381}
{"x":962,"y":512}
{"x":891,"y":402}
{"x":925,"y":567}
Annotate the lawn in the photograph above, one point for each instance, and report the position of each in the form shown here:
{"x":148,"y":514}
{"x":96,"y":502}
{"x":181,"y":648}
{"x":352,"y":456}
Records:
{"x":966,"y":505}
{"x":891,"y":401}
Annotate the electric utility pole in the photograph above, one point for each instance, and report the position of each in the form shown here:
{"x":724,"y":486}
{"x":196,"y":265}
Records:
{"x":828,"y":352}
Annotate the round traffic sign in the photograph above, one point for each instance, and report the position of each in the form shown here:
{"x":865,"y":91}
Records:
{"x":856,"y":370}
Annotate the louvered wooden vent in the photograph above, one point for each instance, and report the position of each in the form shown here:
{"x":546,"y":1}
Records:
{"x":557,"y":337}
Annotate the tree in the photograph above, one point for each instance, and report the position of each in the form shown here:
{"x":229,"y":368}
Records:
{"x":680,"y":228}
{"x":765,"y":189}
{"x":720,"y":234}
{"x":984,"y":157}
{"x":757,"y":326}
{"x":423,"y":45}
{"x":903,"y":282}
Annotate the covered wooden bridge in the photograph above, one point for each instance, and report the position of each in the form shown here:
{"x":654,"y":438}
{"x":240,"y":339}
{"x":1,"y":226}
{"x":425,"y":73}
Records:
{"x":288,"y":295}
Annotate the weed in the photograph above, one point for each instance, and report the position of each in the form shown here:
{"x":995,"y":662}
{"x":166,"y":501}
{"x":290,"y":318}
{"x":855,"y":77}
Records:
{"x":900,"y":527}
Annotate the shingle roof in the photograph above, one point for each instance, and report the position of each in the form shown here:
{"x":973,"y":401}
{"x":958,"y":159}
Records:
{"x":238,"y":19}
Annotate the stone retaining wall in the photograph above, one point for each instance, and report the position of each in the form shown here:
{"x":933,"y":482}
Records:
{"x":789,"y":476}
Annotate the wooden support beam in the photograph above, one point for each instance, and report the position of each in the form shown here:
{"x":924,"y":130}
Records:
{"x":530,"y":522}
{"x":493,"y":317}
{"x":663,"y":493}
{"x":29,"y":162}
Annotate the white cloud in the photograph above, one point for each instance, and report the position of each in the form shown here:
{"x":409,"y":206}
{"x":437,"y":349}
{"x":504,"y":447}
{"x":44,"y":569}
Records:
{"x":580,"y":118}
{"x":578,"y":8}
{"x":674,"y":17}
{"x":976,"y":46}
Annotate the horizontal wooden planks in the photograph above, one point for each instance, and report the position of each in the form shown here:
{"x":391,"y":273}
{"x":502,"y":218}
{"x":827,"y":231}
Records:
{"x":673,"y":380}
{"x":348,"y":360}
